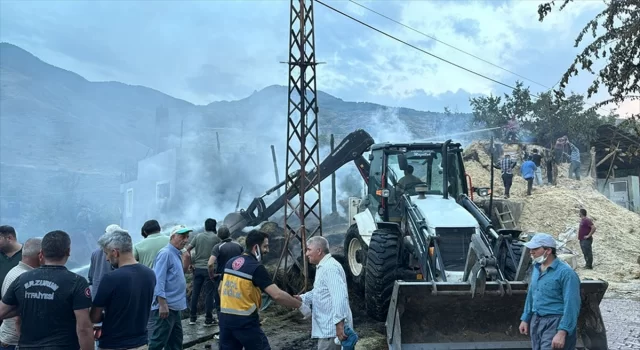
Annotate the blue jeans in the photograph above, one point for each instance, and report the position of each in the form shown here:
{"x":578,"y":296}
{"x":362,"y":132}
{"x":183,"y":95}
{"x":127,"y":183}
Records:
{"x":7,"y":347}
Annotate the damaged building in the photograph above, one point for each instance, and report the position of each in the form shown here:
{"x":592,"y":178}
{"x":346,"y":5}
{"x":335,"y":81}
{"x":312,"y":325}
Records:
{"x":617,"y":163}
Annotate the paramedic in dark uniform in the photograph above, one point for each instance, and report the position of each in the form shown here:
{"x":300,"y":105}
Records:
{"x":240,"y":293}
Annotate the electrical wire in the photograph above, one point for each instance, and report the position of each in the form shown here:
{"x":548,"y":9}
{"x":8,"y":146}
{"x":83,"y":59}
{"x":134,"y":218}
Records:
{"x":413,"y":46}
{"x":534,"y":95}
{"x":447,"y":44}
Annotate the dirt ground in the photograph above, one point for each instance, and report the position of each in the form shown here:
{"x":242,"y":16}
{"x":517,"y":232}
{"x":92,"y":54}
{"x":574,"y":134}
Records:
{"x":288,"y":331}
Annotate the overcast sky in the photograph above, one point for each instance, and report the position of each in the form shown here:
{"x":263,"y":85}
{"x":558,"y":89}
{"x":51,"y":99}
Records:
{"x":203,"y":51}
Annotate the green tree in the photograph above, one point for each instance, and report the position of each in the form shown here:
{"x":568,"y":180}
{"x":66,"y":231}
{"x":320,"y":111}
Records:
{"x":486,"y":111}
{"x":554,"y":118}
{"x":546,"y":118}
{"x":617,"y":43}
{"x":631,"y":125}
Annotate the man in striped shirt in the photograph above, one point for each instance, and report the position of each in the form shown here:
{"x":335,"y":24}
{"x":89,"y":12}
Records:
{"x":574,"y":168}
{"x":329,"y":296}
{"x":506,"y":165}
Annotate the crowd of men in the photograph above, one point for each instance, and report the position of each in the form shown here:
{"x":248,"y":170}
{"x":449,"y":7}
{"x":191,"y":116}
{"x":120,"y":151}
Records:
{"x":134,"y":295}
{"x":535,"y":162}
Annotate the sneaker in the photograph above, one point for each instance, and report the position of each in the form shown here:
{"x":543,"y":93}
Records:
{"x":209,"y":323}
{"x":193,"y":320}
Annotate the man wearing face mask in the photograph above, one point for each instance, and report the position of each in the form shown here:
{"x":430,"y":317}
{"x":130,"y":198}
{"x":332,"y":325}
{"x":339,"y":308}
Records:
{"x":553,"y":299}
{"x":123,"y":300}
{"x":240,"y":297}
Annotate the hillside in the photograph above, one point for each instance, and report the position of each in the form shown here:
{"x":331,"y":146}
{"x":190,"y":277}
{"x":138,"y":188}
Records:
{"x":70,"y":122}
{"x":76,"y":124}
{"x":64,"y":139}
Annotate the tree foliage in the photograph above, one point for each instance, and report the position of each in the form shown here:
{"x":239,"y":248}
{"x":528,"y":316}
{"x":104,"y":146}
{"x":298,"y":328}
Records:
{"x":494,"y":111}
{"x":631,"y":125}
{"x":618,"y":42}
{"x":546,"y":118}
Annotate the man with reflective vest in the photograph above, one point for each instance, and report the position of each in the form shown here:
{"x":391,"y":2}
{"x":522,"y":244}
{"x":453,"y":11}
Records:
{"x":240,"y":297}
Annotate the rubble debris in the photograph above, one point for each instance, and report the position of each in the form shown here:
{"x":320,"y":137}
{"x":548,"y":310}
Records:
{"x":555,"y":209}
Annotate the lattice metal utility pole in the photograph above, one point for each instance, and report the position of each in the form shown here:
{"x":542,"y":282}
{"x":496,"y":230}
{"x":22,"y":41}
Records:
{"x":302,"y":134}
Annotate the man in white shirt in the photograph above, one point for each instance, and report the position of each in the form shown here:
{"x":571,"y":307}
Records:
{"x":10,"y":329}
{"x":329,"y":296}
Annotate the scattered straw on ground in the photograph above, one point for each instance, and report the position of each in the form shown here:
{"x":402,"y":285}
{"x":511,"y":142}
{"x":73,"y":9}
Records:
{"x":554,"y":210}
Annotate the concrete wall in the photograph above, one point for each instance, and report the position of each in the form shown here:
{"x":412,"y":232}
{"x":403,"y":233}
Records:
{"x":153,"y":172}
{"x":632,"y":201}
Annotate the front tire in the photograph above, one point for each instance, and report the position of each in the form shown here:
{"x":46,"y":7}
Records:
{"x":355,"y":255}
{"x":382,"y":265}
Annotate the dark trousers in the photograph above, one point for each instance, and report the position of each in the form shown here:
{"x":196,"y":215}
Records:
{"x":507,"y":180}
{"x":550,"y":173}
{"x":544,"y":328}
{"x":216,"y":294}
{"x":167,"y":332}
{"x":585,"y":245}
{"x":529,"y":186}
{"x":202,"y":281}
{"x":252,"y":338}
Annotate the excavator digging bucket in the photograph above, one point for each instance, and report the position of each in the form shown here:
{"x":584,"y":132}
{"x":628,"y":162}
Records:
{"x":445,"y":315}
{"x":235,"y":222}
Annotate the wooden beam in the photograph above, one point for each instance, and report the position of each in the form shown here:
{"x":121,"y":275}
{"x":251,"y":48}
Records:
{"x":607,"y":156}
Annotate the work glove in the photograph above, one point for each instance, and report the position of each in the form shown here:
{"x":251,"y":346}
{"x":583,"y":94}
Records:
{"x":305,"y":311}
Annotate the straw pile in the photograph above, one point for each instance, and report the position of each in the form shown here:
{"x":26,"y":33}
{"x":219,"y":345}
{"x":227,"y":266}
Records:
{"x":554,"y":210}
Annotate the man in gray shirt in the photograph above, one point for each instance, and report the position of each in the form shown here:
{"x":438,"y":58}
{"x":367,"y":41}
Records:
{"x":203,"y":244}
{"x":99,"y":264}
{"x":9,"y":334}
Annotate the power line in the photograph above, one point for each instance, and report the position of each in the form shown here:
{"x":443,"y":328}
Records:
{"x":414,"y":47}
{"x":446,"y":44}
{"x":537,"y":96}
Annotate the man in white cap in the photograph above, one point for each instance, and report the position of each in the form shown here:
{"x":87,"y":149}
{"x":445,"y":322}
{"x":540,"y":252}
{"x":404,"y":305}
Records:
{"x":170,"y":293}
{"x":553,"y":300}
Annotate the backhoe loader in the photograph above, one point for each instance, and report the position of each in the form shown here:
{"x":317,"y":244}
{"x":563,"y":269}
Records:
{"x":426,"y":259}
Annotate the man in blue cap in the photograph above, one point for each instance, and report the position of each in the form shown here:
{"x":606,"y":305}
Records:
{"x":553,"y":300}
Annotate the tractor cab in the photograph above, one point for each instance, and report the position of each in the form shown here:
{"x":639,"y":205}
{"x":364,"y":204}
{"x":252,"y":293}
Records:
{"x":436,"y":169}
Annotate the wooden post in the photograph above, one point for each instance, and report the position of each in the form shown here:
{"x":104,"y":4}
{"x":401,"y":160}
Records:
{"x":492,"y":152}
{"x":334,"y":205}
{"x":275,"y":167}
{"x":592,"y":167}
{"x":238,"y":201}
{"x":218,"y":141}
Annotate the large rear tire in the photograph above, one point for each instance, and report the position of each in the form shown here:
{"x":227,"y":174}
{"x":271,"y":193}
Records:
{"x":510,"y":266}
{"x":382,"y":265}
{"x":355,"y":254}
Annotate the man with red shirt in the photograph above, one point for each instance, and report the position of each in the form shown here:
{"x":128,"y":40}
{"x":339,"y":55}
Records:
{"x":585,"y":235}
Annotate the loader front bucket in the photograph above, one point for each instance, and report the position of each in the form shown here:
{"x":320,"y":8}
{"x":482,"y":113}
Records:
{"x":591,"y":330}
{"x":444,"y":315}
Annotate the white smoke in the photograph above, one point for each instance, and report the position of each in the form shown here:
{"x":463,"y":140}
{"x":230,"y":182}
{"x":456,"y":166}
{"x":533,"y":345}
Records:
{"x":211,"y":182}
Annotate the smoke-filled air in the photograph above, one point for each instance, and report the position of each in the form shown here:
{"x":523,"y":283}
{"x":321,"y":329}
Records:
{"x":414,"y":161}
